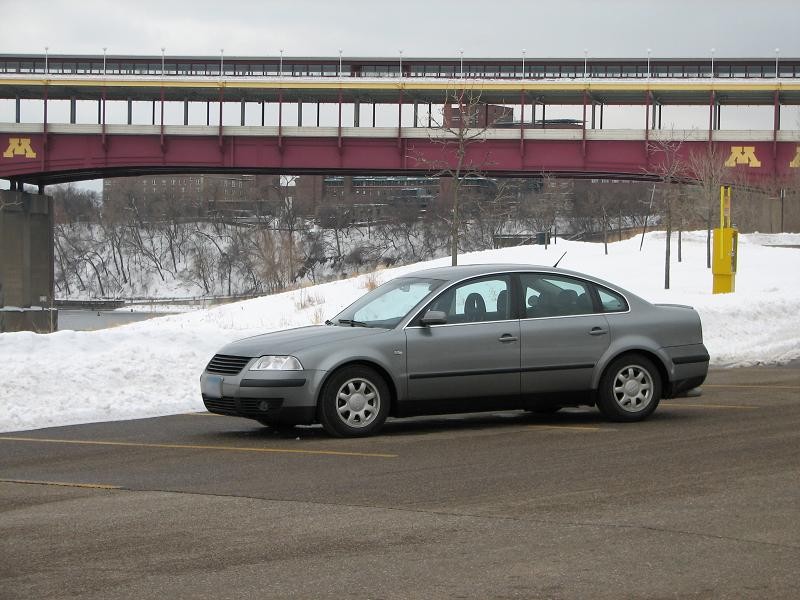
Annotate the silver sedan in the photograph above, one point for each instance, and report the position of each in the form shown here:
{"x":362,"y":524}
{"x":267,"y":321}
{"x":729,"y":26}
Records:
{"x":464,"y":339}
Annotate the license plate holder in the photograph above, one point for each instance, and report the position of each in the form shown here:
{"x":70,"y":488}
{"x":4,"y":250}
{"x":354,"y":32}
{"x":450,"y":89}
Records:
{"x":212,"y":386}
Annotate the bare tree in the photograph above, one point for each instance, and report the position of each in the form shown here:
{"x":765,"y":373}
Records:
{"x":671,"y":169}
{"x":463,"y":124}
{"x":708,"y":167}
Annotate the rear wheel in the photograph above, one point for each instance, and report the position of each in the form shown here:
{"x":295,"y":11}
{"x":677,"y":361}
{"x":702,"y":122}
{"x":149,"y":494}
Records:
{"x":630,"y":389}
{"x":354,"y":402}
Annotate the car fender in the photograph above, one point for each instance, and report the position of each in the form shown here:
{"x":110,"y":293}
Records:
{"x":632,"y":343}
{"x":393,"y":365}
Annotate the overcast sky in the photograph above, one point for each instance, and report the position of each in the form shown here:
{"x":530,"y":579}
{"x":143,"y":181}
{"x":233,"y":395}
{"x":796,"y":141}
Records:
{"x":556,"y":28}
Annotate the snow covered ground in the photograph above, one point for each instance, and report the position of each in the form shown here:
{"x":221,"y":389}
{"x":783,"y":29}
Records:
{"x":153,"y":367}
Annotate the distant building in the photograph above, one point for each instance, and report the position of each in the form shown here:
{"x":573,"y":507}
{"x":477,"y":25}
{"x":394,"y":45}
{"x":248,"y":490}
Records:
{"x":210,"y":192}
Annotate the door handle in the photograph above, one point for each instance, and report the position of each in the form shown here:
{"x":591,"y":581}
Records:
{"x":507,"y":337}
{"x":598,"y":331}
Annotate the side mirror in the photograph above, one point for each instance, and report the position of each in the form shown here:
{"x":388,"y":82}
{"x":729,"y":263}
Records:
{"x":434,"y":317}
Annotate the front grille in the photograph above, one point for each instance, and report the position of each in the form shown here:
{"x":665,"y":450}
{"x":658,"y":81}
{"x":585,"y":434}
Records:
{"x":224,"y":364}
{"x":252,"y":406}
{"x":220,"y":405}
{"x":246,"y":407}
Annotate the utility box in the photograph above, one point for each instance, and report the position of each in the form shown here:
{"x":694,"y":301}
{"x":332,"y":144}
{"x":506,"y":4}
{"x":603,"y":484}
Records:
{"x":726,"y":246}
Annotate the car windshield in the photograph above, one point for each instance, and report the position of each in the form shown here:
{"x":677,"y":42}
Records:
{"x":385,"y":306}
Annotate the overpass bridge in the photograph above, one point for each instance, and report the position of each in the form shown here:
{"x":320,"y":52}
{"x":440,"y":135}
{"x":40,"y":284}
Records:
{"x":41,"y":149}
{"x":278,"y":103}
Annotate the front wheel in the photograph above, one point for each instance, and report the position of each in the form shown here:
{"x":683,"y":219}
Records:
{"x":630,"y":389}
{"x":354,"y":402}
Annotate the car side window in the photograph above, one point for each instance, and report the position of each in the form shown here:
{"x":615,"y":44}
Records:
{"x":475,"y":301}
{"x":548,"y":295}
{"x":611,"y":301}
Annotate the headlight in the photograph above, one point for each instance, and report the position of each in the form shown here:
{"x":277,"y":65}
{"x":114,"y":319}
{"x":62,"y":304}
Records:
{"x":277,"y":363}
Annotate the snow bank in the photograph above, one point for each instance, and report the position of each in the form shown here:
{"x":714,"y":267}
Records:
{"x":152,"y":367}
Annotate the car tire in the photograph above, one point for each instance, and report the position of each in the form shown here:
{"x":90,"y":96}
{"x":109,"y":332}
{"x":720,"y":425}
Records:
{"x":630,"y":389}
{"x":354,"y":402}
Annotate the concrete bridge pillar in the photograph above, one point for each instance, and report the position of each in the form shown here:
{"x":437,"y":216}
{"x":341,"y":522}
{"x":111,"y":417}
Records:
{"x":26,"y":262}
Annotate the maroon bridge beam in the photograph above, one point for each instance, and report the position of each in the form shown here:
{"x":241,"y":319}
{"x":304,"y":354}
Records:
{"x":72,"y":157}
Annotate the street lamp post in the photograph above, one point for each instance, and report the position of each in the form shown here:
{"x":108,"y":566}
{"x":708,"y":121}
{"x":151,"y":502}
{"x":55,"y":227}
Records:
{"x":648,"y":62}
{"x":585,"y":63}
{"x":523,"y":63}
{"x":221,"y":61}
{"x":712,"y":62}
{"x":340,"y":62}
{"x":401,"y":63}
{"x":105,"y":48}
{"x":280,"y":65}
{"x":461,"y":52}
{"x":777,"y":52}
{"x":46,"y":68}
{"x":163,"y":49}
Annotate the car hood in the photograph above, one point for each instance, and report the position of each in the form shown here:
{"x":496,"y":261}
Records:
{"x":291,"y":341}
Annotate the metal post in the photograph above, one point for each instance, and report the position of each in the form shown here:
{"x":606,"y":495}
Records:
{"x":262,"y":113}
{"x":130,"y":111}
{"x":104,"y":60}
{"x":242,"y":111}
{"x":712,"y":63}
{"x":17,"y":110}
{"x":401,"y":64}
{"x":461,"y":52}
{"x":523,"y":63}
{"x":163,"y":71}
{"x":340,"y":63}
{"x":602,"y":105}
{"x":299,"y":113}
{"x":186,"y":111}
{"x":73,"y":110}
{"x":280,"y":67}
{"x":46,"y":66}
{"x":777,"y":52}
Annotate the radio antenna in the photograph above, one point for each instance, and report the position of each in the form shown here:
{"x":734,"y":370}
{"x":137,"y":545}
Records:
{"x":559,"y":260}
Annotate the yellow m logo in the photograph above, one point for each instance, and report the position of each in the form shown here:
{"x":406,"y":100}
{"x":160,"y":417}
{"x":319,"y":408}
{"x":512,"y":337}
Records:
{"x":796,"y":160}
{"x":743,"y":155}
{"x":19,"y":147}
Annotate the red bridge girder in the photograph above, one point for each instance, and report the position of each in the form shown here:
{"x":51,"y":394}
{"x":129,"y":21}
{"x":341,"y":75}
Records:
{"x":53,"y":158}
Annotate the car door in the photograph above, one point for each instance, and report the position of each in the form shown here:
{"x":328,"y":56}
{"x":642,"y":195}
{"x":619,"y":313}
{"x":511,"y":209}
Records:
{"x":472,"y":361}
{"x":562,"y":334}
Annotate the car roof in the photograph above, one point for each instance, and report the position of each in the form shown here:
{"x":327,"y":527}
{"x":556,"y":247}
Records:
{"x":457,"y":273}
{"x":451,"y":273}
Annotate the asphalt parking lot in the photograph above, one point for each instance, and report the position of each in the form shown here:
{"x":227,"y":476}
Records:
{"x":700,"y":501}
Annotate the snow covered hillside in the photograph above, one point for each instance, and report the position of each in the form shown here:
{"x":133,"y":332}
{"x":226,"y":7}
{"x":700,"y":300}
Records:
{"x":153,"y":367}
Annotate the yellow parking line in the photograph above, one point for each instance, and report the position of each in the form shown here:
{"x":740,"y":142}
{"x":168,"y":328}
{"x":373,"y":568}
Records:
{"x":693,"y":405}
{"x":94,"y":486}
{"x":198,"y":447}
{"x":752,"y":387}
{"x":571,"y":427}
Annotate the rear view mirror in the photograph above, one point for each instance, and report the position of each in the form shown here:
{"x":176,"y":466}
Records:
{"x":434,"y":317}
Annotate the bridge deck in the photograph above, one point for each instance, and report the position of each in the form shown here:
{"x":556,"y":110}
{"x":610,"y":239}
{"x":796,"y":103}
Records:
{"x":388,"y":90}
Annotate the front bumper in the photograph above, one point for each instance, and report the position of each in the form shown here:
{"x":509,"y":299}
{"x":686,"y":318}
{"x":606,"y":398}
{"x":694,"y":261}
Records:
{"x":288,"y":397}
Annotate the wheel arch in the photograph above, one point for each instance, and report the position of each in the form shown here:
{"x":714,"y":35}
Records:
{"x":653,"y":357}
{"x":360,"y":362}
